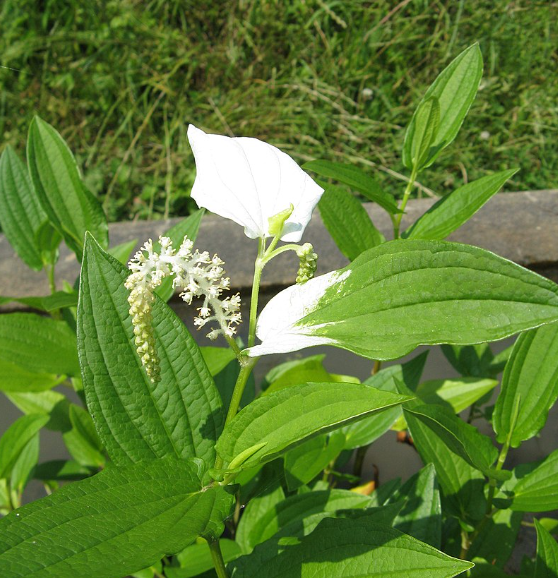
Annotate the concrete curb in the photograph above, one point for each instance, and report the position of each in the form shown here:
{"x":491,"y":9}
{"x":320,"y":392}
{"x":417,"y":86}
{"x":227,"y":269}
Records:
{"x":522,"y":227}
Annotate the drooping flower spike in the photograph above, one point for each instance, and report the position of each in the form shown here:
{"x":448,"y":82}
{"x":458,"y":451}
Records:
{"x":197,"y":274}
{"x":249,"y":181}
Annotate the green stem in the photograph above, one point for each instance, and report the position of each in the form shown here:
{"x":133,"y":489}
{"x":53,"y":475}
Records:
{"x":270,"y":254}
{"x":258,"y":268}
{"x":406,"y":195}
{"x":246,"y":367}
{"x":218,"y":561}
{"x":490,"y":511}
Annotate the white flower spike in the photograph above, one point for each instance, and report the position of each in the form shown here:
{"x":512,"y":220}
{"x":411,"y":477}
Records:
{"x":197,"y":274}
{"x":249,"y":181}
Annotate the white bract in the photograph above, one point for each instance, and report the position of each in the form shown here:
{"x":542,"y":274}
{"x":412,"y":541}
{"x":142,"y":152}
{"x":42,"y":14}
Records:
{"x":249,"y":181}
{"x":280,"y":325}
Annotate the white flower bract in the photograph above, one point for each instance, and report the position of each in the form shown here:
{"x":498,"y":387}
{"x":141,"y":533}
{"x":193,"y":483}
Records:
{"x":197,"y":274}
{"x":280,"y":325}
{"x":249,"y":181}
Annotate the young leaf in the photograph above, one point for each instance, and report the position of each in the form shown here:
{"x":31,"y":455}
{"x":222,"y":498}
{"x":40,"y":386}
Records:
{"x":292,"y":514}
{"x":286,"y":418}
{"x":306,"y":461}
{"x":469,"y":360}
{"x":534,"y":487}
{"x":347,"y":221}
{"x":38,"y":344}
{"x":366,"y":431}
{"x":137,"y":420}
{"x":463,"y":439}
{"x":82,"y":440}
{"x":457,"y":394}
{"x":453,"y":210}
{"x":21,"y":214}
{"x":349,"y":547}
{"x":546,"y":565}
{"x":24,"y":465}
{"x":14,"y":440}
{"x":251,"y":526}
{"x":402,"y":294}
{"x":49,"y":403}
{"x":462,"y":485}
{"x":531,"y":381}
{"x":122,"y":520}
{"x":70,"y":206}
{"x":427,"y":121}
{"x":16,"y":379}
{"x":421,"y":515}
{"x":455,"y":88}
{"x":357,"y":180}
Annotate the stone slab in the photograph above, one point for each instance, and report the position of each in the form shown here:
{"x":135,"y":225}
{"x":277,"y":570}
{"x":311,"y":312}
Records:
{"x":522,"y":227}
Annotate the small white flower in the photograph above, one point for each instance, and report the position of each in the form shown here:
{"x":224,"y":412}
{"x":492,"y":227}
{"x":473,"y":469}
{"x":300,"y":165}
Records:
{"x":249,"y":181}
{"x":196,"y":274}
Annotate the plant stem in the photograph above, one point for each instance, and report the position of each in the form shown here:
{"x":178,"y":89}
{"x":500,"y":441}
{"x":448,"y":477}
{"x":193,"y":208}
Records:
{"x":490,"y":511}
{"x":51,"y":279}
{"x":246,"y":366}
{"x":377,"y":367}
{"x":218,"y":561}
{"x":258,"y":268}
{"x":406,"y":195}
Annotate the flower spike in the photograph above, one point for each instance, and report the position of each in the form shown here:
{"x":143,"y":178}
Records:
{"x":197,"y":274}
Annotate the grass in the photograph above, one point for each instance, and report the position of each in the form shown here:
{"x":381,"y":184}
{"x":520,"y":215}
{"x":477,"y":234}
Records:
{"x":335,"y":79}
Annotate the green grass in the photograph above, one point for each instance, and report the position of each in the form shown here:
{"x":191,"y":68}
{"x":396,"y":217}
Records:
{"x":334,"y":79}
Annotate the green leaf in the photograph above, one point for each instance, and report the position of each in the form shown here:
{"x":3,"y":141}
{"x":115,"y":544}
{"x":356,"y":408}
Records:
{"x":427,"y":121}
{"x":366,"y":431}
{"x":196,"y":559}
{"x":15,"y":379}
{"x":469,"y":360}
{"x":24,"y":465}
{"x":497,"y":539}
{"x":123,"y":251}
{"x":347,"y":221}
{"x":534,"y":487}
{"x":21,"y":214}
{"x":48,"y":303}
{"x":289,"y":516}
{"x":421,"y":515}
{"x":463,"y":439}
{"x":82,"y":440}
{"x":62,"y":470}
{"x":38,"y":344}
{"x":349,"y":548}
{"x":357,"y":180}
{"x":50,"y":403}
{"x":457,"y":394}
{"x":120,"y":521}
{"x":547,"y":554}
{"x":251,"y":528}
{"x":306,"y":461}
{"x":14,"y":440}
{"x":70,"y":206}
{"x":531,"y":381}
{"x":188,"y":227}
{"x":455,"y":88}
{"x":462,"y":485}
{"x":403,"y":294}
{"x":455,"y":209}
{"x":217,"y":358}
{"x":284,"y":419}
{"x":137,"y":420}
